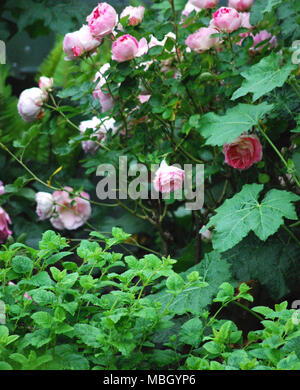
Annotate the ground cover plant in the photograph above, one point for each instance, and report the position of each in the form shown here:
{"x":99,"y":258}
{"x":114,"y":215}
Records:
{"x":150,"y":187}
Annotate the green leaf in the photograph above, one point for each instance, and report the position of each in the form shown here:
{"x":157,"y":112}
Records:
{"x":264,"y":77}
{"x":191,"y":332}
{"x":22,"y":264}
{"x":5,"y":366}
{"x":213,"y":348}
{"x":88,"y":334}
{"x":53,"y":241}
{"x":175,"y":283}
{"x":43,"y":319}
{"x":42,"y":297}
{"x":221,"y":129}
{"x":55,"y":258}
{"x":260,"y":7}
{"x":243,"y":213}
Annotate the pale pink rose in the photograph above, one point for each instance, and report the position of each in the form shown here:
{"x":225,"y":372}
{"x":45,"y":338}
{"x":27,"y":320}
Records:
{"x":45,"y":205}
{"x":102,"y":20}
{"x":127,"y":47}
{"x":143,"y":98}
{"x":106,"y":100}
{"x":4,"y":222}
{"x":202,"y":40}
{"x":79,"y":42}
{"x":227,"y":19}
{"x":243,"y":152}
{"x":241,"y":5}
{"x":45,"y":83}
{"x":2,"y":190}
{"x":136,"y":14}
{"x":246,"y":20}
{"x":30,"y":104}
{"x":206,"y":235}
{"x":204,"y":3}
{"x":168,"y":178}
{"x":189,"y":8}
{"x":100,"y":128}
{"x":71,"y":213}
{"x":263,"y":35}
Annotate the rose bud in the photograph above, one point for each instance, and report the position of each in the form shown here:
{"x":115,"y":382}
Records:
{"x":241,"y":5}
{"x":30,"y":104}
{"x":127,"y":47}
{"x":102,"y":20}
{"x":136,"y":15}
{"x":202,"y":40}
{"x":243,"y":152}
{"x":70,"y":213}
{"x":45,"y":205}
{"x":168,"y":178}
{"x":204,"y":3}
{"x":4,"y":221}
{"x":206,"y":235}
{"x":45,"y":83}
{"x":226,"y":19}
{"x":79,"y":42}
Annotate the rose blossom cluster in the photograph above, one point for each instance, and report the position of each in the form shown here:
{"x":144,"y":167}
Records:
{"x":64,"y":210}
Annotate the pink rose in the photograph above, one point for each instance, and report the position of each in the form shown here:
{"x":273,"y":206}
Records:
{"x":260,"y":37}
{"x":102,"y":20}
{"x":2,"y":190}
{"x":106,"y":100}
{"x":4,"y":221}
{"x":204,"y":3}
{"x":45,"y":205}
{"x":168,"y":178}
{"x":243,"y":152}
{"x":45,"y":83}
{"x":30,"y":104}
{"x":246,"y":20}
{"x":241,"y":5}
{"x":136,"y":14}
{"x":201,"y":40}
{"x":189,"y":8}
{"x":100,"y":128}
{"x":127,"y":47}
{"x":227,"y":19}
{"x":71,"y":213}
{"x":143,"y":98}
{"x":79,"y":42}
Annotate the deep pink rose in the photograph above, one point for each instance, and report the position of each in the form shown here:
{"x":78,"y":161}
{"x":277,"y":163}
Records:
{"x":79,"y":42}
{"x":102,"y":20}
{"x":168,"y":178}
{"x":71,"y":213}
{"x":204,"y":3}
{"x":4,"y":230}
{"x":30,"y":104}
{"x":127,"y":47}
{"x":202,"y":40}
{"x":136,"y":14}
{"x":243,"y":152}
{"x":226,"y":19}
{"x":241,"y":5}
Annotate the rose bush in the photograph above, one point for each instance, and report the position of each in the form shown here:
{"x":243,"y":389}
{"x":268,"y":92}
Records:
{"x":193,"y":106}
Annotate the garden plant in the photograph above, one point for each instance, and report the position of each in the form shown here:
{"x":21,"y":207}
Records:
{"x":150,"y":190}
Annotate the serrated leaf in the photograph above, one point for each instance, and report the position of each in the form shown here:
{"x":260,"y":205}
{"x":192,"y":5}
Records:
{"x":263,"y":77}
{"x":221,"y":129}
{"x":191,"y":332}
{"x":244,"y":213}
